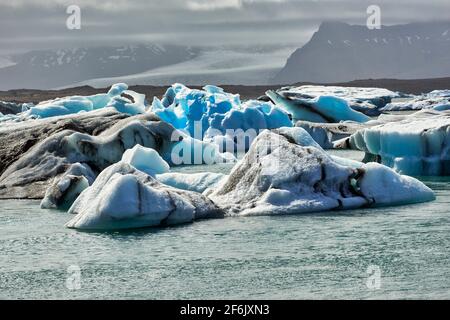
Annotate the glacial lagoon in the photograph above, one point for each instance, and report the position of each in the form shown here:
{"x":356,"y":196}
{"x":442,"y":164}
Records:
{"x":326,"y":255}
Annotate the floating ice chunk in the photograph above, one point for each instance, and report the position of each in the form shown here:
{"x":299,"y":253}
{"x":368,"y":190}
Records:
{"x":131,"y":103}
{"x":59,"y":106}
{"x":442,"y":106}
{"x":385,"y":187}
{"x":198,"y":182}
{"x":65,"y":189}
{"x":438,"y":100}
{"x":375,"y":96}
{"x":418,"y":144}
{"x":123,"y":197}
{"x":170,"y":114}
{"x":126,"y":105}
{"x":440,"y":93}
{"x":419,"y":103}
{"x":117,"y":89}
{"x":278,"y":176}
{"x":317,"y":109}
{"x":325,"y":134}
{"x":10,"y":107}
{"x":213,"y":89}
{"x":364,"y":100}
{"x":27,"y":173}
{"x":146,"y":160}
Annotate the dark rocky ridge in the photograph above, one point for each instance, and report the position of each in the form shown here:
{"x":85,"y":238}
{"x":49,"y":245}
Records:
{"x":341,"y":52}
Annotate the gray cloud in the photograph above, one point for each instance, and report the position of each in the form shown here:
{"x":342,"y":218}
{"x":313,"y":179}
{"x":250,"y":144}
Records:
{"x":40,"y":24}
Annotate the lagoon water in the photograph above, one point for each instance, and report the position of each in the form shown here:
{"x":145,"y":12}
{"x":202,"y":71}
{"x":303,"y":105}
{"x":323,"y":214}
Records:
{"x":326,"y":255}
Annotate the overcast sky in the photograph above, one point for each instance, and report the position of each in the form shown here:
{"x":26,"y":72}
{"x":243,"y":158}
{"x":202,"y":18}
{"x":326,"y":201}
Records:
{"x":41,"y":24}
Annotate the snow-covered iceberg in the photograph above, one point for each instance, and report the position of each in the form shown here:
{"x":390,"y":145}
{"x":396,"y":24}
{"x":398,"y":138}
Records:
{"x":214,"y":115}
{"x":282,"y":175}
{"x":416,"y":144}
{"x":321,"y":108}
{"x":123,"y":197}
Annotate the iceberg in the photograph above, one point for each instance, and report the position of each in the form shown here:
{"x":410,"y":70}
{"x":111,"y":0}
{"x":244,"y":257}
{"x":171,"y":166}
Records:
{"x":360,"y":99}
{"x":322,"y":109}
{"x":123,"y":197}
{"x":416,"y":144}
{"x":11,"y":107}
{"x":437,"y":99}
{"x":279,"y":175}
{"x":118,"y":97}
{"x":66,"y":188}
{"x":30,"y":172}
{"x":215,"y":116}
{"x":98,"y":139}
{"x":326,"y":134}
{"x":146,"y":160}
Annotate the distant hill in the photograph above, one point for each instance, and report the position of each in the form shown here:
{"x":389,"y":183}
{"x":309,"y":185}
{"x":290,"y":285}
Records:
{"x":149,"y":64}
{"x":46,"y":69}
{"x":340,"y":52}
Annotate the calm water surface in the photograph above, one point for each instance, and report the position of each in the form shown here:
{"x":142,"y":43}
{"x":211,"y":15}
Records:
{"x":290,"y":257}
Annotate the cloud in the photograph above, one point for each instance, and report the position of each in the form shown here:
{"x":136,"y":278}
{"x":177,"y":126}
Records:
{"x":40,"y":24}
{"x":209,"y":5}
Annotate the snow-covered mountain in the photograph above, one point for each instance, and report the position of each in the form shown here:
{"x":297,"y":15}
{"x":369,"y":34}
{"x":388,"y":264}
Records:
{"x":144,"y":64}
{"x":55,"y":68}
{"x":340,"y":52}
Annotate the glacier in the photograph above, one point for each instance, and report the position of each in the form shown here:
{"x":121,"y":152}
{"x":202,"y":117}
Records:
{"x":123,"y":197}
{"x":279,"y":176}
{"x":322,"y":108}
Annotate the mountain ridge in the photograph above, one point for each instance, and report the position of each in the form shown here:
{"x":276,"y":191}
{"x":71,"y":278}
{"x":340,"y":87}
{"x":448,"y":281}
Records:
{"x":340,"y":52}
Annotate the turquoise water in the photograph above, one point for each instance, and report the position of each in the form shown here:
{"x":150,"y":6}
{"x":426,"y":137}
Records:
{"x":291,"y":257}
